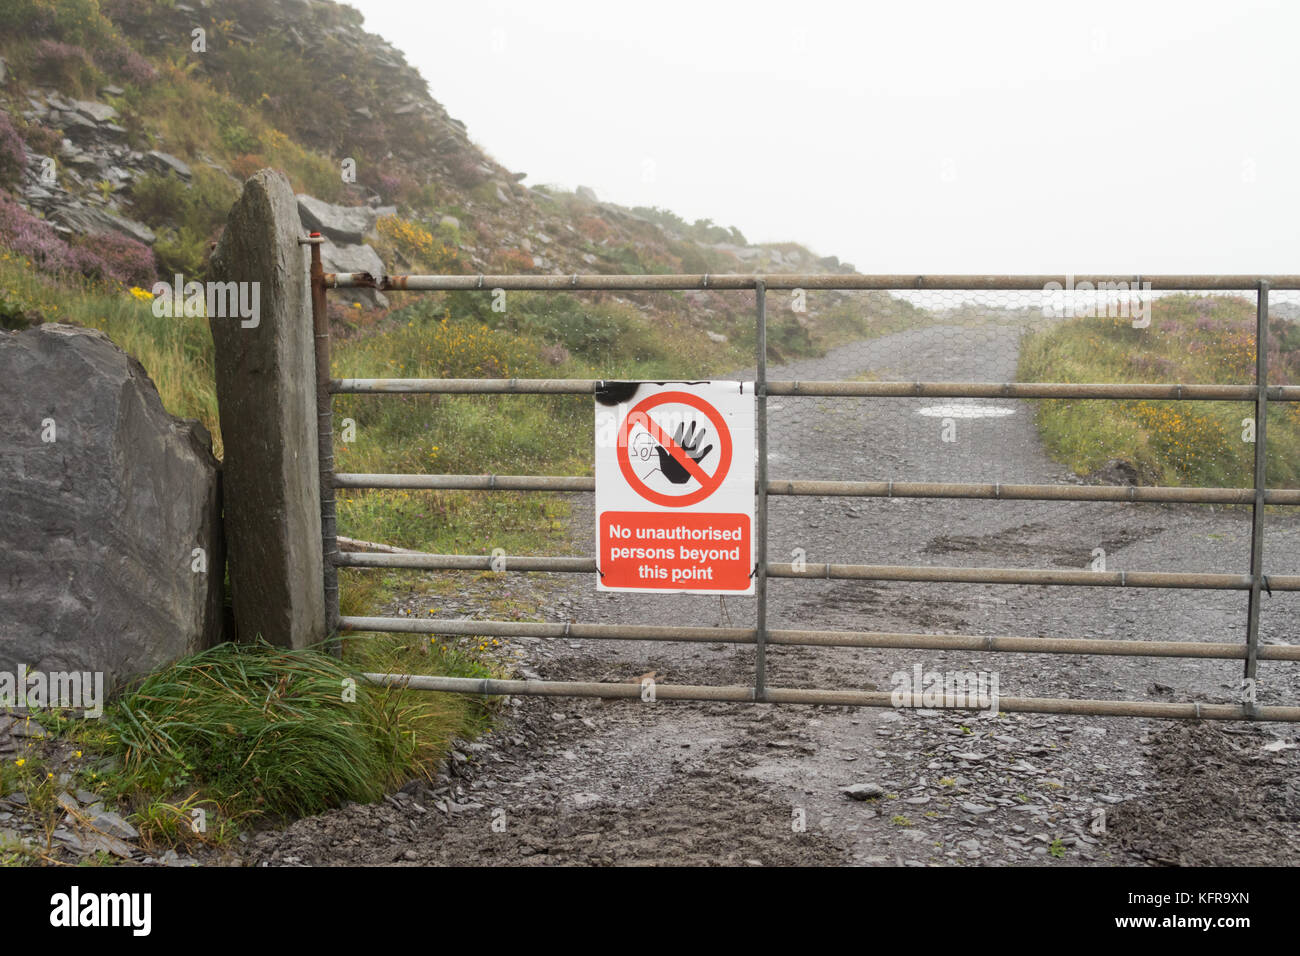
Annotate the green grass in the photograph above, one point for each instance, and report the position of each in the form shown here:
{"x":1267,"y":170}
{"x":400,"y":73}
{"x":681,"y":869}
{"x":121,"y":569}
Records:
{"x":461,"y":337}
{"x":177,"y":353}
{"x":31,"y":775}
{"x":198,"y":750}
{"x":453,"y":434}
{"x":180,"y":822}
{"x":261,"y":730}
{"x":1189,"y":341}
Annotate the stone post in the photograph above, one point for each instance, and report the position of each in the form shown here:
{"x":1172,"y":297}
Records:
{"x":266,"y":390}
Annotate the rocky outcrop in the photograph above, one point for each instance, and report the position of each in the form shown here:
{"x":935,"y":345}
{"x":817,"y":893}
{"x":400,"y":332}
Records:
{"x":111,"y":537}
{"x":345,"y":229}
{"x":93,"y":151}
{"x":161,"y":162}
{"x":344,"y":224}
{"x":87,"y":220}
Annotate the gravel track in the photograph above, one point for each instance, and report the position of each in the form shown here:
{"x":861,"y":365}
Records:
{"x":584,"y":781}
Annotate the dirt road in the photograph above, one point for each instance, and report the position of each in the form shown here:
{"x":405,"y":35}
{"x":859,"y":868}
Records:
{"x":574,"y":781}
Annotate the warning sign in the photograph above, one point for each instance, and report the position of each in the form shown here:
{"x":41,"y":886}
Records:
{"x":675,"y":487}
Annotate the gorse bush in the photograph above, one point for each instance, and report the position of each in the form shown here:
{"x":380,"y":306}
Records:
{"x":431,"y":344}
{"x":419,"y":246}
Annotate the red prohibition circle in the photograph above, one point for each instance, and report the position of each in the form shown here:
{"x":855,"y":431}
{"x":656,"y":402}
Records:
{"x":724,"y":449}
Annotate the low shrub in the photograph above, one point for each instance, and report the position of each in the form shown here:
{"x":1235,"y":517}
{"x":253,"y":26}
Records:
{"x":419,"y":246}
{"x":120,"y":60}
{"x":189,"y":217}
{"x":64,"y":65}
{"x":12,"y":156}
{"x":245,"y":165}
{"x":510,"y":261}
{"x":119,"y":259}
{"x":159,"y":199}
{"x":110,"y":256}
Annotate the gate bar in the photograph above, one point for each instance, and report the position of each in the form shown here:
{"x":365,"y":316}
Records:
{"x":832,"y":389}
{"x":858,"y":489}
{"x":806,"y":638}
{"x":851,"y":572}
{"x":760,"y":494}
{"x":841,"y":282}
{"x":850,"y":698}
{"x":1261,"y":482}
{"x":325,"y":442}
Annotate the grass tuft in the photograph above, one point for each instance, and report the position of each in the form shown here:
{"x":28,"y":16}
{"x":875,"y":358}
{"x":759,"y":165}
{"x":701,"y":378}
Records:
{"x":267,"y":730}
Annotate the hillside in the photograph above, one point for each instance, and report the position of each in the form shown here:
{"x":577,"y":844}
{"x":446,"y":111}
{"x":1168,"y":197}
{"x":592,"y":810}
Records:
{"x":137,"y":120}
{"x":127,"y":129}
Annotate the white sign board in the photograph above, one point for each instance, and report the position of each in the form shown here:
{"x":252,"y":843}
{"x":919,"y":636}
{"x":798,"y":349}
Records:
{"x":675,"y":487}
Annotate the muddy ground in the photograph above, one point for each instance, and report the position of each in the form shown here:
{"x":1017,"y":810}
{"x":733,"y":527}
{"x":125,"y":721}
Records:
{"x":590,"y":782}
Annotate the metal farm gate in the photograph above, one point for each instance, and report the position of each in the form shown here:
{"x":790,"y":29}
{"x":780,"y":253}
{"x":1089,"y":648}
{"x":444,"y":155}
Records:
{"x":1254,"y":581}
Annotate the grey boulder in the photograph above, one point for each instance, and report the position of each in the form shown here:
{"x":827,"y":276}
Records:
{"x":345,"y":224}
{"x":161,"y":162}
{"x":111,"y":538}
{"x":863,"y":791}
{"x":99,"y":112}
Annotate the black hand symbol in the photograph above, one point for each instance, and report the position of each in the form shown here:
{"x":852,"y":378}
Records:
{"x":673,"y":470}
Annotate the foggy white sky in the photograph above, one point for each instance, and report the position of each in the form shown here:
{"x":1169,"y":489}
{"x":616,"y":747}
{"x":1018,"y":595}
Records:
{"x":1135,"y":137}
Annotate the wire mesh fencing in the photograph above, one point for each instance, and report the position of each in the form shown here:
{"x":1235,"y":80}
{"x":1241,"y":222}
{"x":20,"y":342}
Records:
{"x":1032,"y":455}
